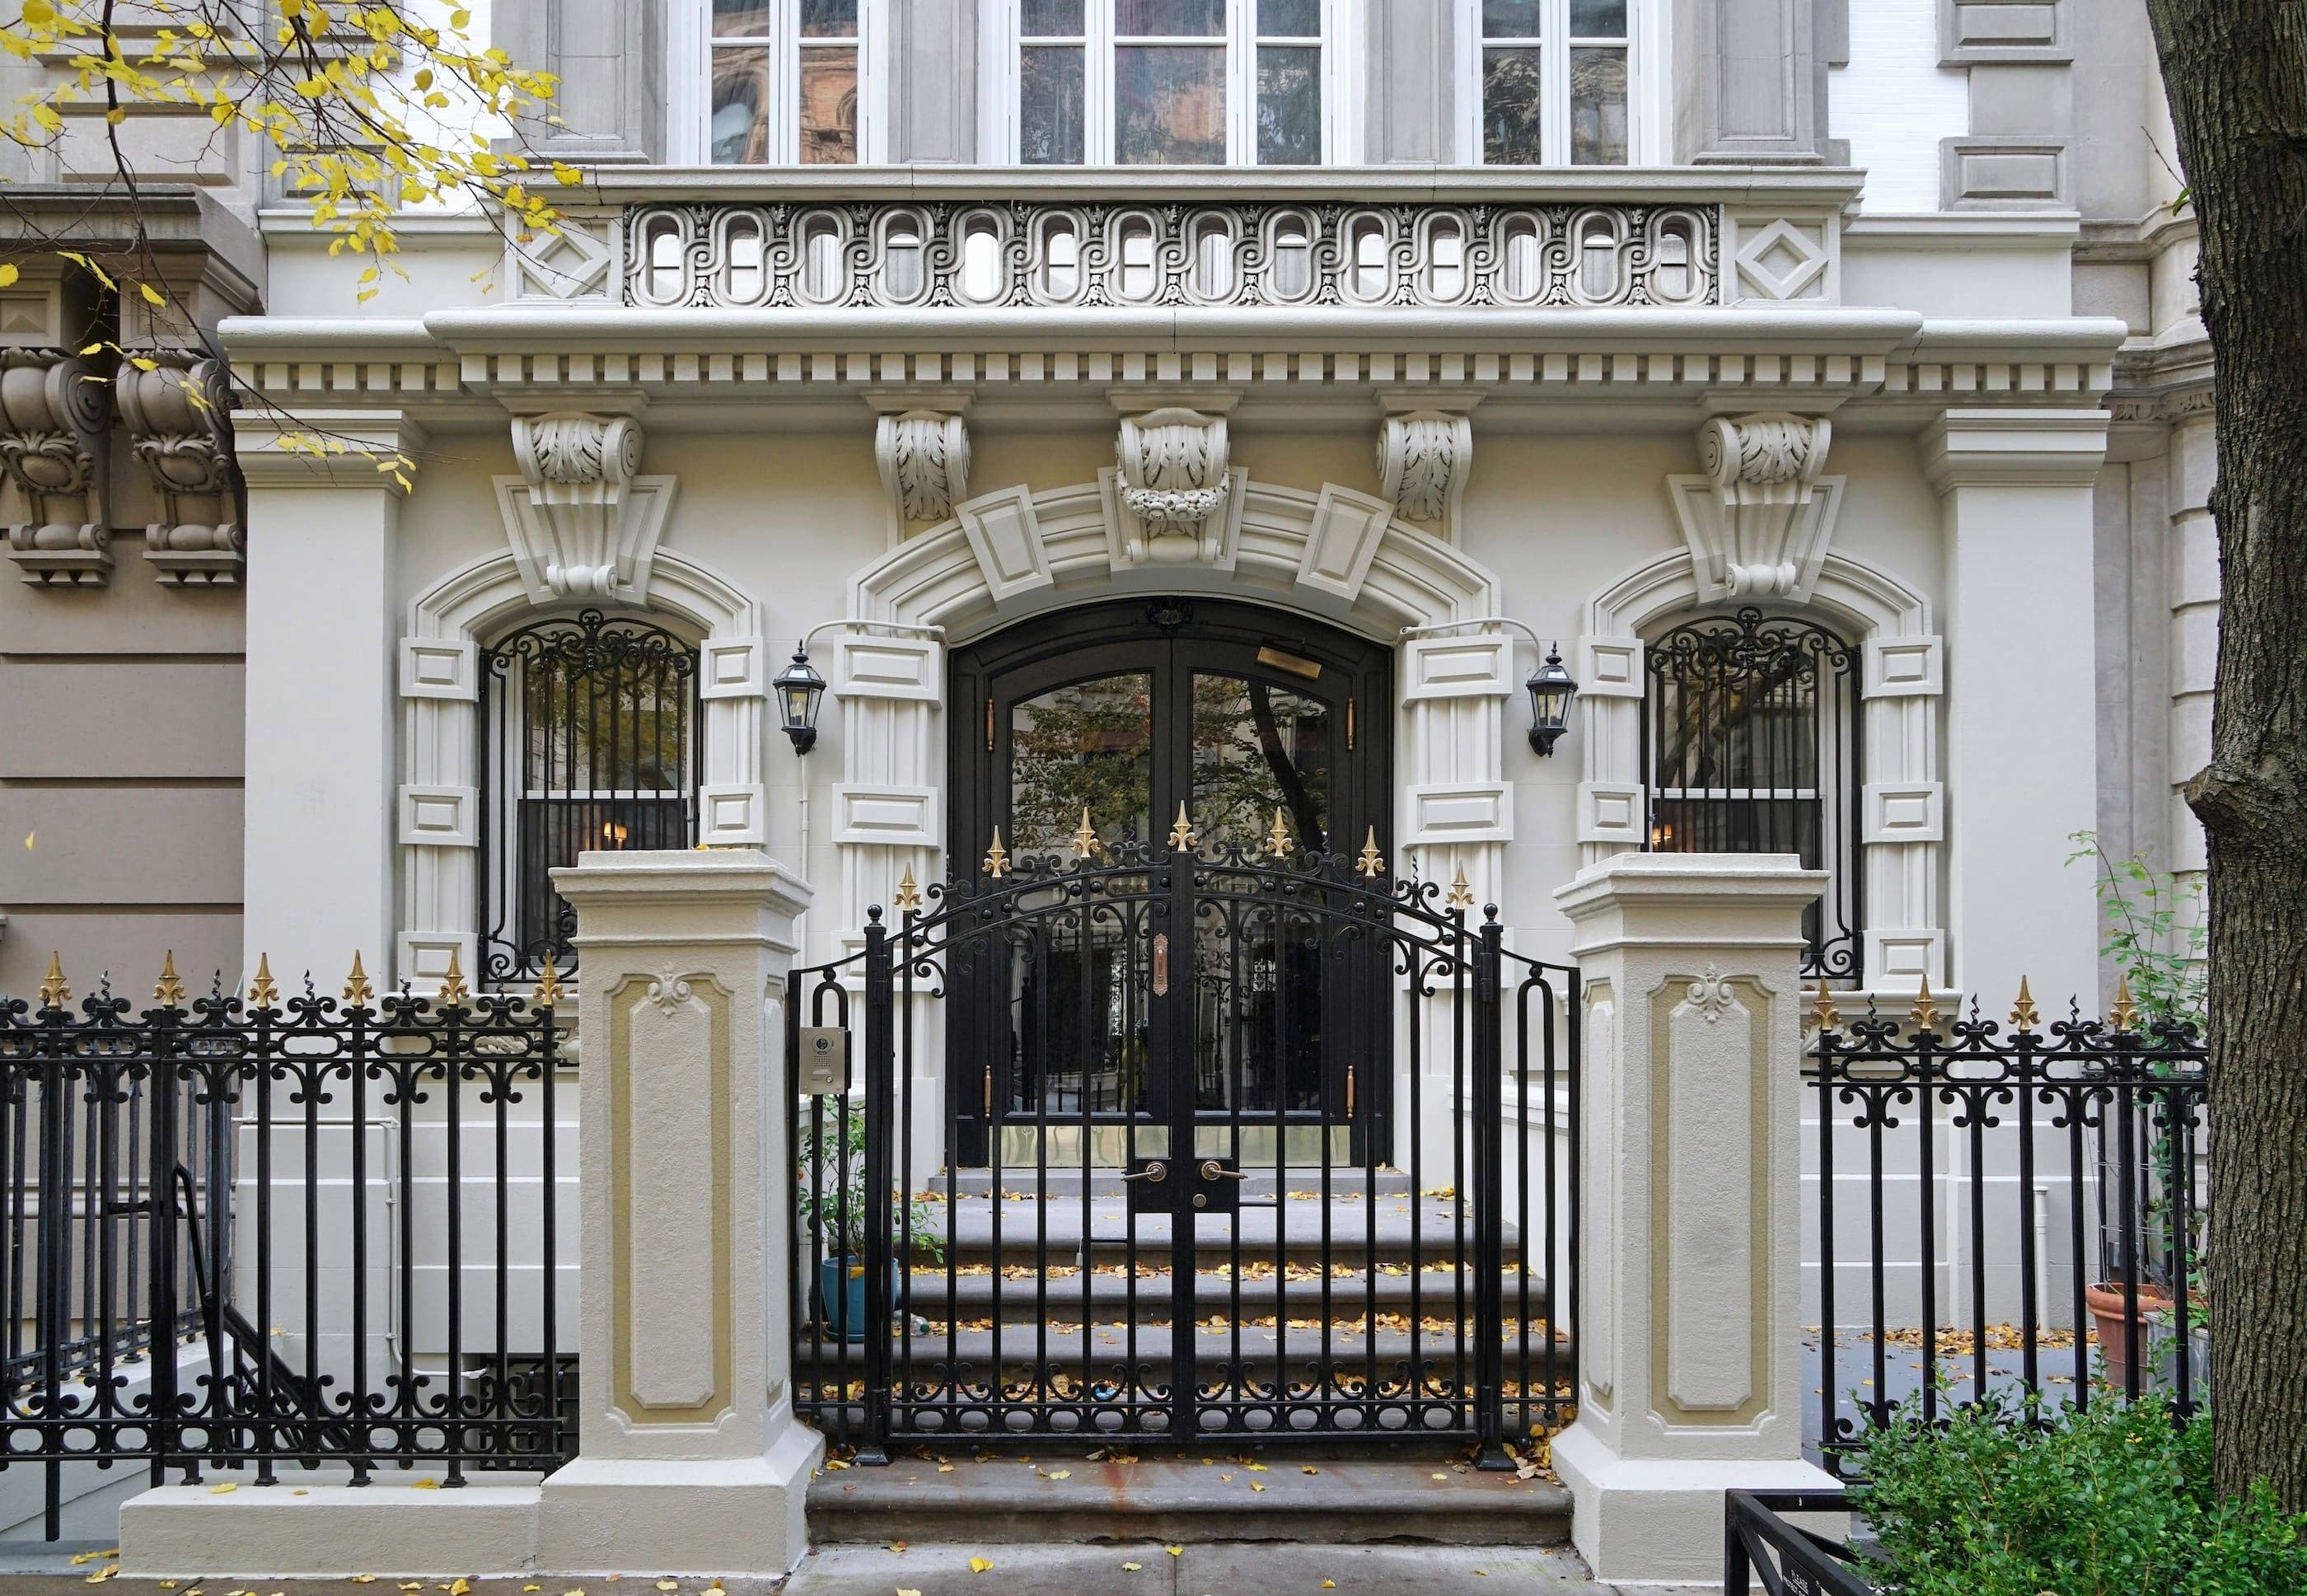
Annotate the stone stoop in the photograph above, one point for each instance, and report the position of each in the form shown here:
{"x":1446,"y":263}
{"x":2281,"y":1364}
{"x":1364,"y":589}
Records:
{"x":1018,"y":1499}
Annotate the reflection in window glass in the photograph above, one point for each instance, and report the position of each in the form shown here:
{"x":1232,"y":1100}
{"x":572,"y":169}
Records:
{"x":1598,"y":18}
{"x":1511,"y":130}
{"x":1042,"y":19}
{"x":1257,"y":748}
{"x":1289,"y":106}
{"x":740,"y":19}
{"x":739,"y":131}
{"x":829,"y":107}
{"x":1169,"y":106}
{"x":1049,"y":111}
{"x":829,"y":19}
{"x":1510,"y":19}
{"x":1172,"y":19}
{"x":1086,"y":745}
{"x":1290,"y":18}
{"x":1598,"y":107}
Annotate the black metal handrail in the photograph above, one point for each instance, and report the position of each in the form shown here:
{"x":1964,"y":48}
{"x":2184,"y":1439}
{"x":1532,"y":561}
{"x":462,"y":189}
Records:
{"x":1791,"y":1560}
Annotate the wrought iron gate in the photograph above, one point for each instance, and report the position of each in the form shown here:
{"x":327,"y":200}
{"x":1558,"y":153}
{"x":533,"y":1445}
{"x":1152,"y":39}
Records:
{"x":1184,"y":1246}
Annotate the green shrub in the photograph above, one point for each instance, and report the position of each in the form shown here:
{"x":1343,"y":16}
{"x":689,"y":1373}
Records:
{"x":2115,"y":1501}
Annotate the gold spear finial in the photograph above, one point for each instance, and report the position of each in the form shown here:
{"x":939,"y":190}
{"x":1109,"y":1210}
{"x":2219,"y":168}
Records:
{"x":1462,"y":892}
{"x":1823,"y":1012}
{"x":2024,"y":1016}
{"x":1277,"y":840}
{"x":1925,"y":1016}
{"x":996,"y":857}
{"x":54,"y":993}
{"x":1369,"y":862}
{"x":357,"y":987}
{"x":909,"y":892}
{"x":2126,"y":1012}
{"x":548,"y":984}
{"x":261,"y":992}
{"x":452,"y":990}
{"x":169,"y":990}
{"x":1086,"y":845}
{"x":1182,"y":839}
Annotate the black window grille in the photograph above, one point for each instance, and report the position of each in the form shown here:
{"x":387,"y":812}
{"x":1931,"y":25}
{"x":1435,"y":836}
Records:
{"x":590,"y":734}
{"x":1751,"y":745}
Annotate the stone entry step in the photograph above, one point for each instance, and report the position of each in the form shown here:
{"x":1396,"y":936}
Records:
{"x":1215,"y":1291}
{"x":1260,"y":1182}
{"x":1391,"y":1228}
{"x":1069,"y":1350}
{"x":1414,"y":1493}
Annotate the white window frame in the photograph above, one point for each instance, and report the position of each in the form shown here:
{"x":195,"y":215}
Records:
{"x":1000,"y":84}
{"x":1645,"y":68}
{"x":690,"y":91}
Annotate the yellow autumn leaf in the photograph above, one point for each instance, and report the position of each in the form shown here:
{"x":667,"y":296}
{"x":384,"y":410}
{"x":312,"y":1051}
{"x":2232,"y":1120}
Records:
{"x":225,"y":1488}
{"x":1329,"y":1584}
{"x":151,"y":294}
{"x":903,"y":1591}
{"x":980,"y":1565}
{"x":1062,"y":1473}
{"x":1175,"y":1552}
{"x":463,"y":1587}
{"x":668,"y":1584}
{"x":1131,"y":1567}
{"x":8,"y":275}
{"x":363,"y":1579}
{"x":429,"y":1483}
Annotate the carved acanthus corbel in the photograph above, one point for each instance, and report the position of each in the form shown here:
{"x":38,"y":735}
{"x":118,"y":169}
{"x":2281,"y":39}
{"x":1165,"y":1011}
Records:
{"x":924,"y":456}
{"x":180,"y":430}
{"x":1424,"y":455}
{"x":1759,"y":520}
{"x":572,"y":518}
{"x":55,"y":434}
{"x":1173,"y":466}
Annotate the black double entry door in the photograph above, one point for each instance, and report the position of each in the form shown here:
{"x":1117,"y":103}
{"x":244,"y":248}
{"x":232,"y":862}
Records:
{"x":1177,"y":1011}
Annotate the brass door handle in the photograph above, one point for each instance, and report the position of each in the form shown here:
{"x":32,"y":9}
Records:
{"x":1156,"y":1171}
{"x":1162,"y":963}
{"x":1212,"y":1170}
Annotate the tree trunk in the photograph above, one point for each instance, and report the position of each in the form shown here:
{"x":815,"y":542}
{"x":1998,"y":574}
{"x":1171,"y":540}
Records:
{"x":2236,"y":74}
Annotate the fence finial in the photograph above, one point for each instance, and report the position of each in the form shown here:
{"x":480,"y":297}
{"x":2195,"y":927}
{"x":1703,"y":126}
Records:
{"x":548,"y":984}
{"x":1461,"y":893}
{"x":1925,"y":1016}
{"x":169,"y":990}
{"x":996,"y":857}
{"x":452,"y":990}
{"x":261,"y":992}
{"x":1277,"y":840}
{"x":1822,"y":1011}
{"x":2024,"y":1016}
{"x":357,"y":988}
{"x":2125,"y":1013}
{"x":1182,"y":839}
{"x":1369,"y":862}
{"x":54,"y":993}
{"x":1086,"y":845}
{"x":909,"y":892}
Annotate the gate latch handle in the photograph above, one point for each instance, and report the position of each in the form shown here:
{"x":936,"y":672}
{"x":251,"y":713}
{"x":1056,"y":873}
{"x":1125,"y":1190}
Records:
{"x":1156,"y":1171}
{"x":1212,"y":1170}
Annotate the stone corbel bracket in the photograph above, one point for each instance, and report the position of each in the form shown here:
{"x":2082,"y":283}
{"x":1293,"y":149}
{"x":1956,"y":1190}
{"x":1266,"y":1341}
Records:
{"x":180,"y":429}
{"x":1173,"y":487}
{"x":582,"y":521}
{"x":921,"y":446}
{"x":1759,"y":520}
{"x":55,"y":449}
{"x":1425,"y":453}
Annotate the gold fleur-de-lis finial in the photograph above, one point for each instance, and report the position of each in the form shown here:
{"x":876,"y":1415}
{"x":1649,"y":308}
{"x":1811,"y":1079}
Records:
{"x":54,"y":993}
{"x":1925,"y":1016}
{"x":548,"y":984}
{"x":452,"y":992}
{"x":2125,"y":1013}
{"x":2024,"y":1016}
{"x":1277,"y":840}
{"x":1822,"y":1011}
{"x":357,"y":987}
{"x":1182,"y":839}
{"x":1461,"y":891}
{"x":1086,"y":845}
{"x":261,"y":992}
{"x":168,"y":990}
{"x":1369,"y":863}
{"x":909,"y":892}
{"x":996,"y":857}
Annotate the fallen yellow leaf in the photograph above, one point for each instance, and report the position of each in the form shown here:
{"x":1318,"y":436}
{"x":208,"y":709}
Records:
{"x":668,"y":1584}
{"x":1175,"y":1552}
{"x":1131,"y":1567}
{"x":1307,"y":1469}
{"x":945,"y":1468}
{"x":1329,"y":1584}
{"x":980,"y":1565}
{"x":427,"y":1483}
{"x":1062,"y":1473}
{"x":1254,"y":1485}
{"x":463,"y":1587}
{"x":363,"y":1579}
{"x":224,"y":1488}
{"x":903,"y":1591}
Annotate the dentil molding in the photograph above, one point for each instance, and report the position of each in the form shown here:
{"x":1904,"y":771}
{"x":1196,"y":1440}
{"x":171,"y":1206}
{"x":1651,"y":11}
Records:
{"x":55,"y":436}
{"x":180,"y":430}
{"x":1759,"y":521}
{"x":582,"y":521}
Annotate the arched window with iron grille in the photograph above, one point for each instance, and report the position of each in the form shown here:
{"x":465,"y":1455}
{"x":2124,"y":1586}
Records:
{"x":1750,"y":745}
{"x":589,"y":739}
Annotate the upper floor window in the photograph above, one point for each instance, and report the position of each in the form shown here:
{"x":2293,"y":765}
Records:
{"x":788,"y":83}
{"x":1750,"y":745}
{"x":589,"y":730}
{"x":1550,"y":82}
{"x":1169,"y":82}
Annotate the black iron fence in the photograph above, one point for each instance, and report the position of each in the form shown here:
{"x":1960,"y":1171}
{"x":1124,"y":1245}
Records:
{"x":2004,"y":1210}
{"x":271,"y":1233}
{"x":1761,"y":1544}
{"x":1164,"y":1187}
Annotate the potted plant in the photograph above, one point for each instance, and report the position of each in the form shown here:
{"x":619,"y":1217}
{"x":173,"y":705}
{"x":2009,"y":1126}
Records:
{"x":830,"y":1202}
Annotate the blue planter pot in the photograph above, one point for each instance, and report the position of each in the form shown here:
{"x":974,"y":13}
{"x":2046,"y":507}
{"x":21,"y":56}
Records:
{"x":841,"y":1296}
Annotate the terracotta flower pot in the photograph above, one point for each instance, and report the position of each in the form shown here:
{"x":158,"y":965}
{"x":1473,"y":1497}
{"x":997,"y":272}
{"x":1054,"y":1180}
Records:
{"x":2120,"y":1334}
